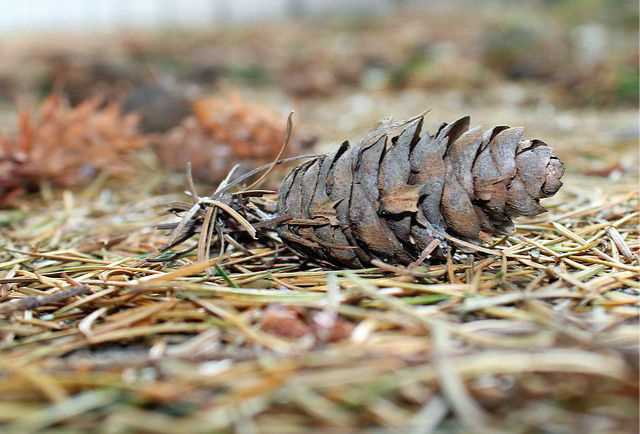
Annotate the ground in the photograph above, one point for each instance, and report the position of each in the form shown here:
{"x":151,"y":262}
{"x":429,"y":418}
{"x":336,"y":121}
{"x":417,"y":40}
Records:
{"x":536,"y":332}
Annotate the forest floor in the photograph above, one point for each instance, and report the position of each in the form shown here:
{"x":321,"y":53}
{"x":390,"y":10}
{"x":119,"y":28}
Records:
{"x":532,"y":333}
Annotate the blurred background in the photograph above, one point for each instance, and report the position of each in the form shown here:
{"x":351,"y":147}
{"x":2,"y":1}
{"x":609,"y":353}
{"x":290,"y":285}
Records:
{"x":586,"y":49}
{"x":566,"y":69}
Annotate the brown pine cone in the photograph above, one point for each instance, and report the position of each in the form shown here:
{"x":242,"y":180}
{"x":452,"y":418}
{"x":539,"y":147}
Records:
{"x":398,"y":190}
{"x":224,"y":132}
{"x":67,"y":146}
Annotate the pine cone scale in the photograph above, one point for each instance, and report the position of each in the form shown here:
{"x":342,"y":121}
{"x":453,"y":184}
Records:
{"x":552,"y":183}
{"x":458,"y":210}
{"x":457,"y":207}
{"x":428,"y":169}
{"x":366,"y":226}
{"x":341,"y":177}
{"x":462,"y":154}
{"x":322,"y":208}
{"x":395,"y":168}
{"x":503,"y":150}
{"x":519,"y":202}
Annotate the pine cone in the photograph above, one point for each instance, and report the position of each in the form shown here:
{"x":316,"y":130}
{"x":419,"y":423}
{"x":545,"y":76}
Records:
{"x":395,"y":197}
{"x":222,"y":133}
{"x":66,"y":146}
{"x":398,"y":190}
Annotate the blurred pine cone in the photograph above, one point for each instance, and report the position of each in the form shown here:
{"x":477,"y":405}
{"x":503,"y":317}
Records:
{"x":396,"y":192}
{"x":66,"y":146}
{"x":224,"y":132}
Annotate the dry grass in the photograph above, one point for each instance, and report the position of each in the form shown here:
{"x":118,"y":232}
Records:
{"x":535,"y":333}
